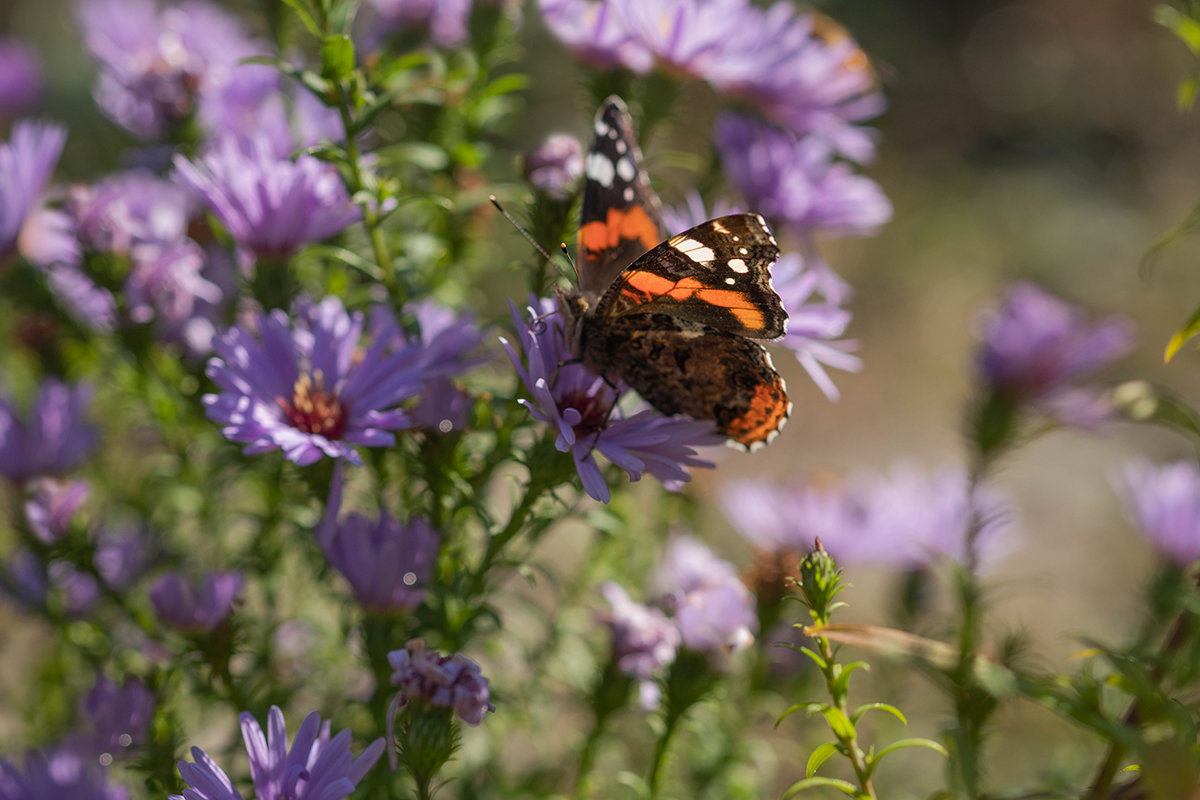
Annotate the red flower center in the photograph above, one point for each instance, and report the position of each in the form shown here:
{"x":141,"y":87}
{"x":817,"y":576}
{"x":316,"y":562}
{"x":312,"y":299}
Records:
{"x":594,"y":410}
{"x":314,"y":410}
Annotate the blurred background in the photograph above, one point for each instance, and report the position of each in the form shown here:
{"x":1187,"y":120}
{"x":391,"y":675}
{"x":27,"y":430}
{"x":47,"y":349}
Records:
{"x":1038,"y":140}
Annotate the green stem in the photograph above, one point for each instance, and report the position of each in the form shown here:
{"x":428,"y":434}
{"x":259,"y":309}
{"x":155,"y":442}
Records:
{"x":660,"y":753}
{"x":858,"y":759}
{"x":370,"y":210}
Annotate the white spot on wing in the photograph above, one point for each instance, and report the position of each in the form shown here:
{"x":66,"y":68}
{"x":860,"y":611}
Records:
{"x":628,"y":194}
{"x":694,"y":250}
{"x":600,"y":169}
{"x":743,"y":251}
{"x":622,"y":147}
{"x":737,"y":265}
{"x":730,"y":281}
{"x":601,"y":128}
{"x":625,"y":170}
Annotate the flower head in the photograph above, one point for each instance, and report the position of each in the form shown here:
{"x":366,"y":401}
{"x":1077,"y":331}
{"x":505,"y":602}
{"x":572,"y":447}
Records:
{"x":906,"y":519}
{"x":446,"y":20}
{"x":57,"y":773}
{"x":388,"y":563}
{"x":644,"y":641}
{"x":20,"y":77}
{"x":315,"y":767}
{"x":428,"y":677}
{"x":1035,"y":345}
{"x":581,"y":407}
{"x":155,"y":62}
{"x":52,"y":506}
{"x":708,"y":602}
{"x":195,"y":606}
{"x":117,"y":716}
{"x":27,"y":161}
{"x":796,"y":182}
{"x":556,"y":166}
{"x":1164,"y":502}
{"x":270,"y":205}
{"x":53,"y":439}
{"x":307,"y":387}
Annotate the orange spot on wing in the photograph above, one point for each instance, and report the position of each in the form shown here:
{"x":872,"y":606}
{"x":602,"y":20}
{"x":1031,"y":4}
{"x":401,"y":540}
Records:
{"x":768,"y":409}
{"x":653,"y":287}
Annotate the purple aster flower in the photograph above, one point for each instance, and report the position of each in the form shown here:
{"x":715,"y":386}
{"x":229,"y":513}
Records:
{"x":443,"y":406}
{"x":556,"y":166}
{"x":27,"y":160}
{"x":117,"y":716}
{"x":308,"y":388}
{"x":1164,"y":502}
{"x":154,"y":61}
{"x":446,"y":20}
{"x":315,"y":767}
{"x":387,"y":563}
{"x":708,"y":602}
{"x":53,"y":439}
{"x":270,"y":205}
{"x":90,"y":305}
{"x":644,"y":640}
{"x":123,"y":554}
{"x":1035,"y":344}
{"x":594,"y":32}
{"x":428,"y":677}
{"x":51,"y":507}
{"x":907,"y":519}
{"x":448,"y":340}
{"x":195,"y":606}
{"x":581,"y":408}
{"x":131,"y":208}
{"x":57,"y":773}
{"x":20,"y":77}
{"x":42,"y":586}
{"x":259,"y":102}
{"x":797,"y":183}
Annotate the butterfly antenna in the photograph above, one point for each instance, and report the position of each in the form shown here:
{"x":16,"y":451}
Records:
{"x":520,"y":229}
{"x":567,"y":254}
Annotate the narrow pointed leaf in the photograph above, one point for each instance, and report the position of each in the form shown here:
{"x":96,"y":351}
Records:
{"x":904,"y":744}
{"x":841,"y":726}
{"x":811,"y":783}
{"x":863,"y":709}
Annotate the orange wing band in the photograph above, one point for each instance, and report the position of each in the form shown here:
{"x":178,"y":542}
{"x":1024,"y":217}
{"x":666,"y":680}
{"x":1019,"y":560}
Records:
{"x":648,"y":287}
{"x":768,"y":409}
{"x":633,"y":223}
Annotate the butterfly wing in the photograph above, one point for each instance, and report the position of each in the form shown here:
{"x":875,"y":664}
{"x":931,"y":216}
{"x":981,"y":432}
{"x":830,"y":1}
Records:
{"x":620,"y":216}
{"x":684,"y":367}
{"x":716,"y":274}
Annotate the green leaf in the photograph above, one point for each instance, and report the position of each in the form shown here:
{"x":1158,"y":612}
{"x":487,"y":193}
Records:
{"x":1186,"y":29}
{"x":1143,"y":402}
{"x":904,"y":744}
{"x":1190,"y":224}
{"x":1181,"y":337}
{"x":347,"y":257}
{"x":815,"y":656}
{"x":819,"y":757}
{"x":863,"y":709}
{"x":305,"y":15}
{"x":842,"y":684}
{"x":811,"y":783}
{"x":807,"y":707}
{"x":337,"y":57}
{"x":841,"y":726}
{"x":1185,"y":93}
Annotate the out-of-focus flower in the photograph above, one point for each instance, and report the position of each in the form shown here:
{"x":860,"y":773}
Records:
{"x":57,"y":586}
{"x":53,"y":439}
{"x":1164,"y":502}
{"x":155,"y":62}
{"x":270,"y":205}
{"x":195,"y":606}
{"x":387,"y":563}
{"x":449,"y":340}
{"x":443,"y":407}
{"x":432,"y":679}
{"x":55,"y":774}
{"x":796,"y":183}
{"x":20,"y":77}
{"x":315,"y":767}
{"x":907,"y":519}
{"x":708,"y":602}
{"x":92,"y":306}
{"x":27,"y":161}
{"x":117,"y":716}
{"x":308,"y":388}
{"x":51,"y":507}
{"x":556,"y":166}
{"x":1035,"y":345}
{"x":772,"y":57}
{"x":644,"y":641}
{"x":581,"y":408}
{"x":446,"y":20}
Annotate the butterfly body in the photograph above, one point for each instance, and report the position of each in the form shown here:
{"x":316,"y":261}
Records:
{"x":676,"y":320}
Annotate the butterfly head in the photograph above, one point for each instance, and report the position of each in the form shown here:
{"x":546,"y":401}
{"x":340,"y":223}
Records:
{"x":574,"y":307}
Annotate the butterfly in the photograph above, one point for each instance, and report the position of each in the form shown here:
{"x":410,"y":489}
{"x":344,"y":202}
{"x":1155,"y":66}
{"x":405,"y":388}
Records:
{"x":678,"y":320}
